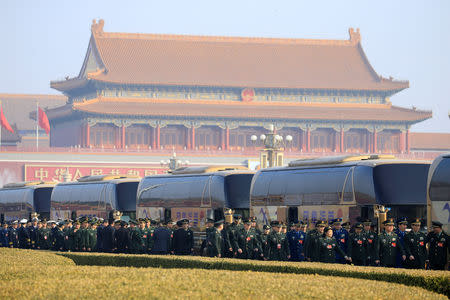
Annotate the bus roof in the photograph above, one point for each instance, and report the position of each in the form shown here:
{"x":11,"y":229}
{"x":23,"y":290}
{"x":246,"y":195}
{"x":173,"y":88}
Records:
{"x":331,"y":160}
{"x":207,"y":169}
{"x":96,"y":178}
{"x":29,"y":184}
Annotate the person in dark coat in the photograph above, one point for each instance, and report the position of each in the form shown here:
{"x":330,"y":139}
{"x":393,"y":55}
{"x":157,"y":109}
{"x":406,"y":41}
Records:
{"x":24,"y":236}
{"x":215,"y":245}
{"x":100,"y":229}
{"x":312,"y":241}
{"x":357,"y":246}
{"x":183,"y":239}
{"x":122,"y":237}
{"x":415,"y":246}
{"x":59,"y":238}
{"x":388,"y":246}
{"x":439,"y":245}
{"x":161,"y":240}
{"x":329,"y":248}
{"x":108,"y":237}
{"x":4,"y":235}
{"x":33,"y":233}
{"x":13,"y":236}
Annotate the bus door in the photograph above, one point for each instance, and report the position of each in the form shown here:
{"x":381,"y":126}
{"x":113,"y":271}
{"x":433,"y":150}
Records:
{"x":292,"y":214}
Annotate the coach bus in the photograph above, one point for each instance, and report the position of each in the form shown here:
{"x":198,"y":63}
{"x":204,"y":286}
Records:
{"x":438,"y":191}
{"x":348,"y":187}
{"x":95,"y":196}
{"x":195,"y":193}
{"x":19,"y":200}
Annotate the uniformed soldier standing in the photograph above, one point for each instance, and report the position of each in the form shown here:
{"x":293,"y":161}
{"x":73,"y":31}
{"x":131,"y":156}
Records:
{"x":372,"y":242}
{"x":209,"y":227}
{"x":135,"y":238}
{"x":4,"y":235}
{"x":278,"y":243}
{"x":329,"y":248}
{"x":91,"y":243}
{"x":231,"y":236}
{"x":357,"y":246}
{"x":296,"y":239}
{"x":402,"y":224}
{"x":313,"y":243}
{"x":439,"y":245}
{"x":341,"y":235}
{"x":24,"y":237}
{"x":415,"y":246}
{"x":13,"y":235}
{"x":77,"y":236}
{"x":144,"y":236}
{"x":68,"y":235}
{"x":33,"y":233}
{"x":183,"y":239}
{"x":215,"y":240}
{"x":44,"y":237}
{"x":108,"y":237}
{"x":247,"y":240}
{"x":122,"y":237}
{"x":58,"y":236}
{"x":388,"y":246}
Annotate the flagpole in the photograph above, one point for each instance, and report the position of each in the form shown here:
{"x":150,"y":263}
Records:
{"x":37,"y":126}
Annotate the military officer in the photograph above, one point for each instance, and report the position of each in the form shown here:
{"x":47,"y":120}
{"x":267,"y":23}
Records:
{"x":347,"y":226}
{"x":209,"y":226}
{"x":215,"y":240}
{"x":58,"y":244}
{"x":312,"y":241}
{"x":44,"y":236}
{"x":122,"y":237}
{"x":341,"y":235}
{"x":144,"y":231}
{"x":231,"y":234}
{"x":4,"y":235}
{"x":415,"y":246}
{"x":264,"y":242}
{"x":329,"y":248}
{"x":357,"y":246}
{"x":402,"y":224}
{"x":108,"y":237}
{"x":372,"y":241}
{"x":438,"y":247}
{"x":247,"y":241}
{"x":278,"y":243}
{"x":13,"y":235}
{"x":388,"y":246}
{"x":91,"y":233}
{"x":183,"y":239}
{"x":33,"y":232}
{"x":135,"y":238}
{"x":24,"y":237}
{"x":296,"y":239}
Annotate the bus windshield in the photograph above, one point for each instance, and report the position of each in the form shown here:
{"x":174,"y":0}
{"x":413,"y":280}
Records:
{"x":238,"y":190}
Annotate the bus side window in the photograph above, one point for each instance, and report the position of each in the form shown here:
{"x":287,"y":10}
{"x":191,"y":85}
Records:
{"x":73,"y":215}
{"x":167,"y":214}
{"x":218,"y":214}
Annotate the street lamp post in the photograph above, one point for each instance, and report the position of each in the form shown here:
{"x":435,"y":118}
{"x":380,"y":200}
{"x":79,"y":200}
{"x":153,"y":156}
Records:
{"x":274,"y":144}
{"x":173,"y":163}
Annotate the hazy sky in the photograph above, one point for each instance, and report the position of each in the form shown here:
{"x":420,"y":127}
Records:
{"x":409,"y":40}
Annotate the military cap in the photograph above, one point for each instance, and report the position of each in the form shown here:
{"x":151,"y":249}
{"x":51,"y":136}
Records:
{"x":247,"y":221}
{"x":133,"y":222}
{"x":23,"y":221}
{"x":209,"y":220}
{"x":35,"y":220}
{"x":388,"y":222}
{"x":218,"y":223}
{"x":359,"y":225}
{"x":153,"y":222}
{"x":320,"y":223}
{"x":180,"y":223}
{"x":367,"y":222}
{"x":76,"y":222}
{"x":123,"y":223}
{"x":275,"y":223}
{"x":346,"y":224}
{"x":327,"y":228}
{"x":15,"y":222}
{"x":237,"y":216}
{"x":60,"y":224}
{"x":402,"y":220}
{"x":253,"y":219}
{"x":336,"y":221}
{"x":283,"y":225}
{"x":416,"y":221}
{"x":118,"y":222}
{"x":266,"y":227}
{"x":436,"y":224}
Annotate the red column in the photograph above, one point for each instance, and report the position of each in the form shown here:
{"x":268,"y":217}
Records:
{"x":117,"y":138}
{"x":303,"y":140}
{"x":227,"y":138}
{"x":88,"y":135}
{"x":308,"y":140}
{"x":368,"y":142}
{"x":402,"y":142}
{"x":408,"y":142}
{"x":193,"y":138}
{"x":158,"y":137}
{"x":122,"y":136}
{"x":153,"y":138}
{"x":222,"y":139}
{"x":341,"y":145}
{"x":374,"y":141}
{"x":336,"y":141}
{"x":187,"y":140}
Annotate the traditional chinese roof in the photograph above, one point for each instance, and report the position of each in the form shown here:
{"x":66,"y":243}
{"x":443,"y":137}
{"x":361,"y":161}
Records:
{"x":182,"y":60}
{"x":430,"y":141}
{"x":240,"y":110}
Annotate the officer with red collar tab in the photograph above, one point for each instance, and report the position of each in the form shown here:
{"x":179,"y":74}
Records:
{"x":415,"y":246}
{"x":439,"y":245}
{"x":247,"y":241}
{"x":372,"y":241}
{"x":296,"y":239}
{"x":357,"y":246}
{"x":388,"y":246}
{"x":341,"y":236}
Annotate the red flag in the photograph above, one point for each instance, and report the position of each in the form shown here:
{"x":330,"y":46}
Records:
{"x":4,"y":122}
{"x":43,"y":121}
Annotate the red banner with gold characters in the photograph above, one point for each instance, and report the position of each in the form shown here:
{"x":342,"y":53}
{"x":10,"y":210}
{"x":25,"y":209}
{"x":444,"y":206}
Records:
{"x":58,"y":172}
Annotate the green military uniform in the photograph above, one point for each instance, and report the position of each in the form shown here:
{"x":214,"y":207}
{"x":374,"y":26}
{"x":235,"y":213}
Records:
{"x":439,"y":245}
{"x":264,"y":243}
{"x":415,"y":245}
{"x":145,"y":238}
{"x":215,"y":242}
{"x":313,"y":242}
{"x":372,"y":242}
{"x":388,"y":246}
{"x":79,"y":240}
{"x":247,"y":242}
{"x":44,"y":238}
{"x":91,"y":242}
{"x":278,"y":245}
{"x":135,"y":238}
{"x":328,"y":247}
{"x":357,"y":246}
{"x":68,"y":238}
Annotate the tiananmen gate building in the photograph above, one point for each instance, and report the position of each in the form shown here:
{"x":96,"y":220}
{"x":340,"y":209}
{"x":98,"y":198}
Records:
{"x":207,"y":92}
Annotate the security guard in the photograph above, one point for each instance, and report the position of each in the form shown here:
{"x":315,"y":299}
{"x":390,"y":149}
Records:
{"x":278,"y":243}
{"x":341,"y":235}
{"x":215,"y":240}
{"x":329,"y":248}
{"x":372,"y":242}
{"x":388,"y":246}
{"x":357,"y":246}
{"x":415,"y":246}
{"x":183,"y":239}
{"x":402,"y":224}
{"x":313,"y":243}
{"x":247,"y":240}
{"x":439,"y":245}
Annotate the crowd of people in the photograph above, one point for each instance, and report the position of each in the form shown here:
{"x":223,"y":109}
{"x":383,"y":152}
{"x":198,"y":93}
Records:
{"x":328,"y":243}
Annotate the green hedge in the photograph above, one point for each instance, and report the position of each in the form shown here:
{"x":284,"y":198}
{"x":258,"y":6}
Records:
{"x":437,"y":281}
{"x":27,"y":274}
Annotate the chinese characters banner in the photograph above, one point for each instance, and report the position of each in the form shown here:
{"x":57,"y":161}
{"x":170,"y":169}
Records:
{"x":58,"y":172}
